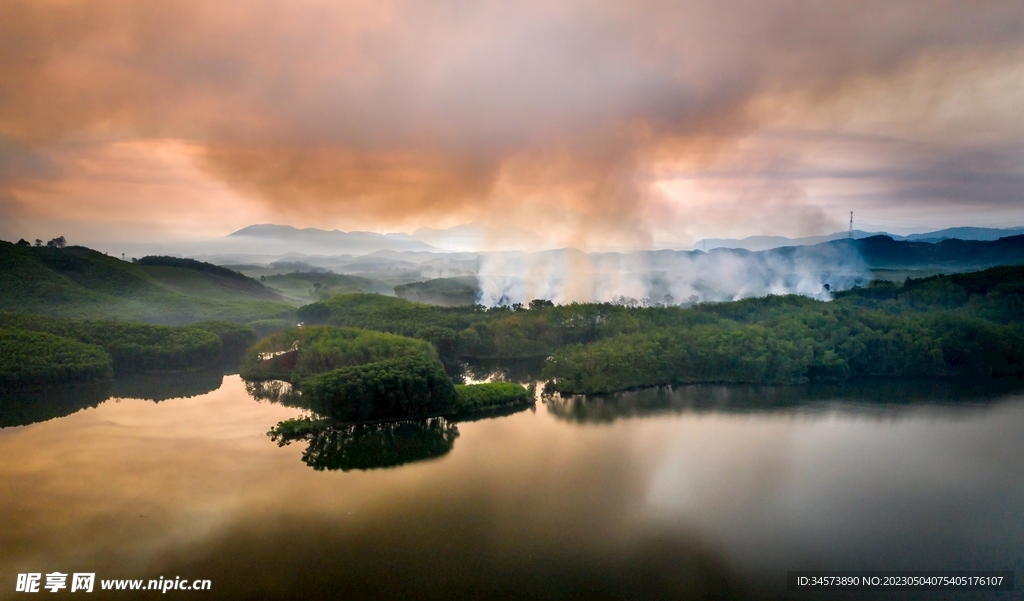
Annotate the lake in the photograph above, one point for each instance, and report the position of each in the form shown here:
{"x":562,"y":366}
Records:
{"x":698,"y":492}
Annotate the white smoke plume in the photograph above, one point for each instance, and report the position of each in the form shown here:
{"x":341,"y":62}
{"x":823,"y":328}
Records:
{"x":668,"y":277}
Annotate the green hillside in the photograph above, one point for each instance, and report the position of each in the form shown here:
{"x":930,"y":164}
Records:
{"x":195,"y":278}
{"x":80,"y":283}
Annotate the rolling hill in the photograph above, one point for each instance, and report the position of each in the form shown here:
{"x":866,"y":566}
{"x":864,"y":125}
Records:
{"x":195,"y":278}
{"x":756,"y":243}
{"x":81,"y":283}
{"x":953,"y":254}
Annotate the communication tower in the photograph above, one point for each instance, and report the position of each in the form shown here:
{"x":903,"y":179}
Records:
{"x":850,"y":235}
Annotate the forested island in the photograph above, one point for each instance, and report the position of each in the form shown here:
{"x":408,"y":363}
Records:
{"x":359,"y":375}
{"x":376,"y":399}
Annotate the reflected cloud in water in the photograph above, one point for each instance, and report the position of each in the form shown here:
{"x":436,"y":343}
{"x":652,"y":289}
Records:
{"x":475,"y":371}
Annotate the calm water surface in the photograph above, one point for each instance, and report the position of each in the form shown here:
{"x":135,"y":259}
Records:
{"x":707,"y":492}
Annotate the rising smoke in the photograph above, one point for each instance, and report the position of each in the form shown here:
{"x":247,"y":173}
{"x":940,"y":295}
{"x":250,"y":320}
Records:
{"x":668,"y":277}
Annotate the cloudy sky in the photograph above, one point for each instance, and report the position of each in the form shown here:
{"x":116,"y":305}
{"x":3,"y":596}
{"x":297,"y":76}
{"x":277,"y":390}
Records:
{"x":592,"y":123}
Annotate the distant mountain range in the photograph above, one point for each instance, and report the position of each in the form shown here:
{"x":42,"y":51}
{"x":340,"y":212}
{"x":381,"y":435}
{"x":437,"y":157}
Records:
{"x":342,"y":251}
{"x":476,"y":237}
{"x":770,"y":242}
{"x":266,"y":243}
{"x":334,"y":242}
{"x":884,"y":252}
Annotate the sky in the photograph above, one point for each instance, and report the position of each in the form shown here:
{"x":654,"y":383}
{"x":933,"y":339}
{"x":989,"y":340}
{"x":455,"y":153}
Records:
{"x":593,"y":124}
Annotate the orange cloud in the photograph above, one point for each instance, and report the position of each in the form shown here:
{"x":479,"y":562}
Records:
{"x":402,"y":113}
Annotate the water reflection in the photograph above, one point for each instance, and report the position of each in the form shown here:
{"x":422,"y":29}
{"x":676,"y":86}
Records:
{"x":345,"y":446}
{"x":275,"y":391}
{"x":338,"y":445}
{"x":879,"y":396}
{"x":697,"y":504}
{"x":161,"y":387}
{"x":20,"y":409}
{"x":475,"y":371}
{"x":492,"y":413}
{"x":28,"y":407}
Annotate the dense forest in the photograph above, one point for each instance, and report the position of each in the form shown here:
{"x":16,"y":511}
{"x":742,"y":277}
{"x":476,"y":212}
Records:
{"x":474,"y":331}
{"x":403,"y":387}
{"x":491,"y":395}
{"x":936,"y":326}
{"x":138,"y":348}
{"x":37,"y":359}
{"x":295,"y":353}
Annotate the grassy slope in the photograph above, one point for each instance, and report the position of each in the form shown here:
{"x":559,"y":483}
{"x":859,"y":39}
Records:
{"x":80,"y":283}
